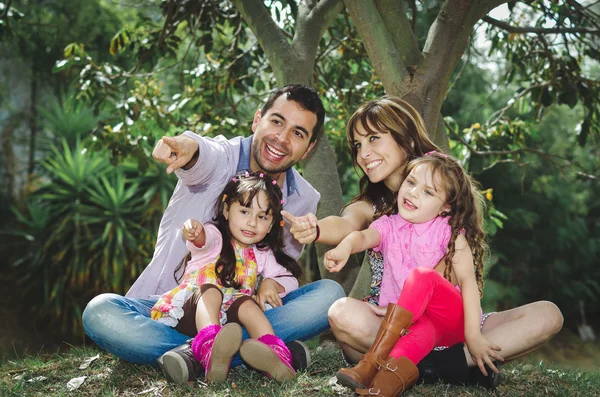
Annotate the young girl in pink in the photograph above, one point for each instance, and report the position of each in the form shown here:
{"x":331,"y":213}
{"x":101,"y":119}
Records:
{"x":227,"y":260}
{"x":439,"y":225}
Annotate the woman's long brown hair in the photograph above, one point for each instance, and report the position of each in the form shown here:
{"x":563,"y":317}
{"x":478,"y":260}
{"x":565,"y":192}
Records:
{"x":387,"y":115}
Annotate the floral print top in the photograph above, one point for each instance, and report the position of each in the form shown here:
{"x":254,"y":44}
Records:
{"x":169,"y":307}
{"x":376,"y":261}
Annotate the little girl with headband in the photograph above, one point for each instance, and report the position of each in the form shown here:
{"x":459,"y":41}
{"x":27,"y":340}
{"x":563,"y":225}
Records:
{"x":227,"y":260}
{"x":439,"y":225}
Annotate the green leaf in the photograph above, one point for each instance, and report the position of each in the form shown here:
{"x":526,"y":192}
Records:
{"x":119,"y":41}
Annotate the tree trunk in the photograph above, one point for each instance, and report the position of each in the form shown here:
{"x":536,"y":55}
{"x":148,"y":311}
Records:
{"x":321,"y":170}
{"x":293,"y":63}
{"x":8,"y":154}
{"x":32,"y":119}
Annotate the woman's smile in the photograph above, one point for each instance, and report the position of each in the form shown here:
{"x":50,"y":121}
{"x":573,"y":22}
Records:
{"x":373,"y":164}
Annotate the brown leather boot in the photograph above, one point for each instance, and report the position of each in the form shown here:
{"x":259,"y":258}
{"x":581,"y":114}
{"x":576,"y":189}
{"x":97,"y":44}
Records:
{"x":394,"y":377}
{"x":393,"y":326}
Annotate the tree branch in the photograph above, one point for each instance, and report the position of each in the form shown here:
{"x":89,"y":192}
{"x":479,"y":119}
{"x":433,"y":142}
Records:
{"x":498,"y":114}
{"x":6,"y":8}
{"x":586,"y":11}
{"x":529,"y":29}
{"x":448,"y":38}
{"x":446,"y":42}
{"x":312,"y":21}
{"x":551,"y":158}
{"x":324,"y":12}
{"x":269,"y":35}
{"x":379,"y":45}
{"x":486,"y":6}
{"x":401,"y":30}
{"x":459,"y":74}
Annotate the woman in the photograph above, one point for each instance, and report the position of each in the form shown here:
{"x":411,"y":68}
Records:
{"x":383,"y":135}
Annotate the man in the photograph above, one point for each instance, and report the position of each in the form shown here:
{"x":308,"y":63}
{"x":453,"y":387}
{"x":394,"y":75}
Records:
{"x":284,"y":131}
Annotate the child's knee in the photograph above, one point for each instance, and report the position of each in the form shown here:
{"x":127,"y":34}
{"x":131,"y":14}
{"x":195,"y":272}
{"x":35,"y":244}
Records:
{"x":423,"y":274}
{"x":207,"y":290}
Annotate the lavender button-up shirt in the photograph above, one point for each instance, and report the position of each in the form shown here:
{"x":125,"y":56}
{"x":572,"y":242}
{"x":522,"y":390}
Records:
{"x":194,"y":197}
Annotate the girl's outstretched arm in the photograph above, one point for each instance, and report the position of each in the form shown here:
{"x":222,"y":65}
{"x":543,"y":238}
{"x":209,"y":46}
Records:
{"x":333,"y":229}
{"x":335,"y":259}
{"x":193,"y":231}
{"x":482,"y":351}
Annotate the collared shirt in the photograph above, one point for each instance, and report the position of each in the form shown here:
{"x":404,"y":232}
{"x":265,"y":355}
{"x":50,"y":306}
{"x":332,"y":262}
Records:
{"x":406,"y":246}
{"x":195,"y":196}
{"x":289,"y":184}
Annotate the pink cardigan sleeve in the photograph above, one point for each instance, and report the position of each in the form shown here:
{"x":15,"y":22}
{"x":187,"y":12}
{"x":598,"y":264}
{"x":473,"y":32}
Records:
{"x":269,"y":268}
{"x":201,"y":256}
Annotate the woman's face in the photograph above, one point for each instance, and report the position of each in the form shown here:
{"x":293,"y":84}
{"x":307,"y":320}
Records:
{"x":380,"y":157}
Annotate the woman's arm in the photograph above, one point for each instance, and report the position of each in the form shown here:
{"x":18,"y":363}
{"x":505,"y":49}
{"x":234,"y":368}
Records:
{"x":481,"y":350}
{"x":357,"y":216}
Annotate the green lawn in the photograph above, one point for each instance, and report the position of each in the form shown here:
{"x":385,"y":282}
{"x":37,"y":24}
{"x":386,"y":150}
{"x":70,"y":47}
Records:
{"x":108,"y":376}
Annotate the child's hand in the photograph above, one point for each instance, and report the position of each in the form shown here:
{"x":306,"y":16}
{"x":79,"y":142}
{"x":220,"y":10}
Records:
{"x":191,"y":229}
{"x":268,"y":293}
{"x":303,"y":228}
{"x":483,"y":352}
{"x":379,"y":311}
{"x":335,"y":259}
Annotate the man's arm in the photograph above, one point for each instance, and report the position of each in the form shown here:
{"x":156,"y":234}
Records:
{"x":177,"y":152}
{"x":197,"y":160}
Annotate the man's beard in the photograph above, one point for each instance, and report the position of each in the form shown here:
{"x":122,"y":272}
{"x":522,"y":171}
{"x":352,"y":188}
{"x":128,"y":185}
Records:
{"x":256,"y":152}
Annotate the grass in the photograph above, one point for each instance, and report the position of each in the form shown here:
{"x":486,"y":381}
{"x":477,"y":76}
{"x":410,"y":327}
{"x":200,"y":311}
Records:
{"x":109,"y":376}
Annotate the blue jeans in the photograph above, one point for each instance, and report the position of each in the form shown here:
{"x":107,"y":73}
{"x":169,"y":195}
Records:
{"x":123,"y":327}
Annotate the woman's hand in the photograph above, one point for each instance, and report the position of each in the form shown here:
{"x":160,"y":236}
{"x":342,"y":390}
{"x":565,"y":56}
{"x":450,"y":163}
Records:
{"x":303,"y":228}
{"x":191,"y":229}
{"x":335,"y":259}
{"x":483,"y":352}
{"x":268,"y":292}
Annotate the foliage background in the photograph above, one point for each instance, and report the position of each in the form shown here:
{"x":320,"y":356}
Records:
{"x":90,"y":86}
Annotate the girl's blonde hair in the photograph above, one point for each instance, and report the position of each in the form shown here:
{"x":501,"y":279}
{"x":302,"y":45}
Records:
{"x":466,"y":204}
{"x":387,"y":115}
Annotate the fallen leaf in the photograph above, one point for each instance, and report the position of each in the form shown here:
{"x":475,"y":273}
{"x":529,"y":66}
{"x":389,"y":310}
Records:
{"x":88,"y":361}
{"x":75,"y":383}
{"x":37,"y":379}
{"x":339,"y":389}
{"x":332,"y":381}
{"x":148,"y":390}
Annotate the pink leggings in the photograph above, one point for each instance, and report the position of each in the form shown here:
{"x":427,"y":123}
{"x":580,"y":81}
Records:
{"x":438,"y":316}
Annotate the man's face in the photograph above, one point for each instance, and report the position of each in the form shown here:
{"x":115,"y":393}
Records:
{"x":281,"y":136}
